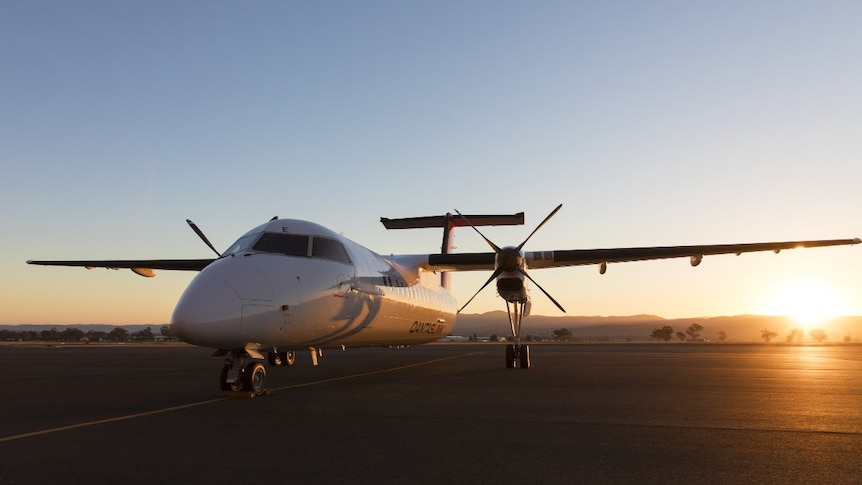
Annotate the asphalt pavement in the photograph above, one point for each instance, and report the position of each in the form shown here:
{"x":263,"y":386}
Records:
{"x":449,"y":413}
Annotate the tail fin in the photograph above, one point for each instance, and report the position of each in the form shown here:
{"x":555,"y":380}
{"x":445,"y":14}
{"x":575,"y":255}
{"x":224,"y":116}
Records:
{"x":449,"y":223}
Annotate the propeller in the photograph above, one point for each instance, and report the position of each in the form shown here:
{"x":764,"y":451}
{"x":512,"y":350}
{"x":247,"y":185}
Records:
{"x":510,"y":259}
{"x":201,"y":235}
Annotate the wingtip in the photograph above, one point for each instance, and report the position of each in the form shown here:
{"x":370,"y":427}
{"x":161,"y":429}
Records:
{"x":857,"y":241}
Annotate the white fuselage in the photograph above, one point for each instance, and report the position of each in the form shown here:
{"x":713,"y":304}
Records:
{"x":292,"y":285}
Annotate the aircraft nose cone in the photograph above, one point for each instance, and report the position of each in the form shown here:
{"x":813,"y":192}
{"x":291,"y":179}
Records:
{"x":208,"y":314}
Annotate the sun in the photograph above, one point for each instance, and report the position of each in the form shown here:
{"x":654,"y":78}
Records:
{"x":809,"y":302}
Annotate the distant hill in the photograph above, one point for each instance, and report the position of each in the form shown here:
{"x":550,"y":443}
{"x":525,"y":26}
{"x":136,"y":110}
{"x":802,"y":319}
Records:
{"x":739,"y":328}
{"x":83,"y":327}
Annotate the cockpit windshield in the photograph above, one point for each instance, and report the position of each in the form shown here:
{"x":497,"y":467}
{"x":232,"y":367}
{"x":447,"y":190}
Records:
{"x":242,"y":244}
{"x":326,"y":248}
{"x":288,"y":244}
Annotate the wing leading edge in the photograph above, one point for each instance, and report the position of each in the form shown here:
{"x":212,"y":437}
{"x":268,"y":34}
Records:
{"x":580,"y":257}
{"x":485,"y":261}
{"x":143,"y":267}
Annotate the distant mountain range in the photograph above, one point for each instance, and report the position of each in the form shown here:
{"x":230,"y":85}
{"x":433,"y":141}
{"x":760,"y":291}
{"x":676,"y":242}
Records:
{"x":740,"y":328}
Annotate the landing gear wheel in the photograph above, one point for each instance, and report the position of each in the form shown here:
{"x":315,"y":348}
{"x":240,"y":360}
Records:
{"x":228,"y":386}
{"x":510,"y":356}
{"x":276,"y":359}
{"x":253,"y":378}
{"x":524,"y":356}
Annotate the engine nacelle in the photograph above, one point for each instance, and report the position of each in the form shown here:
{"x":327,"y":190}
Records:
{"x":145,"y":272}
{"x":696,"y":259}
{"x":511,"y":287}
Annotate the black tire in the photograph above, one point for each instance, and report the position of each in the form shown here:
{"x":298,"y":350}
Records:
{"x":525,"y":356}
{"x":254,"y":378}
{"x":227,"y":386}
{"x":274,"y":359}
{"x":510,"y":356}
{"x":289,"y":358}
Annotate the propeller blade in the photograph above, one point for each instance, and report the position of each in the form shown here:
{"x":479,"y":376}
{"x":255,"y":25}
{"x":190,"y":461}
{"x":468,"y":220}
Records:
{"x":493,"y":246}
{"x":543,"y":290}
{"x":539,"y":227}
{"x":493,"y":276}
{"x":201,"y":235}
{"x":510,"y":259}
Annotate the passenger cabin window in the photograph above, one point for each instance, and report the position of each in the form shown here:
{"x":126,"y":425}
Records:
{"x":288,"y":244}
{"x":329,"y":249}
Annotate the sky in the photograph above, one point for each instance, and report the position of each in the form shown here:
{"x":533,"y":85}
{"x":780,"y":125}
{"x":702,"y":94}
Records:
{"x":653,"y":123}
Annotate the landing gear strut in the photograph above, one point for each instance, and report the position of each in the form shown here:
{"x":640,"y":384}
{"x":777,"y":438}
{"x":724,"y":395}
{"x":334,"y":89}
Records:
{"x":236,"y":376}
{"x":517,"y":354}
{"x":229,"y":379}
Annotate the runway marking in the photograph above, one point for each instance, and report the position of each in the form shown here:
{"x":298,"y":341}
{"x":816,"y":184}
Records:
{"x":108,"y":420}
{"x":210,"y":401}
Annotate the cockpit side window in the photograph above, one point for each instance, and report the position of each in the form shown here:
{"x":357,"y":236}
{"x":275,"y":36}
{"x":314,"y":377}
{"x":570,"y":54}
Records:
{"x":242,"y":244}
{"x":322,"y":247}
{"x":289,"y":244}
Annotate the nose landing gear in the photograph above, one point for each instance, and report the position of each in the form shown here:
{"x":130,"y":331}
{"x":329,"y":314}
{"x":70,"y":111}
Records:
{"x":249,"y":378}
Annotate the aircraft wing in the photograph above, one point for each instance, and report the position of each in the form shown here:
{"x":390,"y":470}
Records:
{"x":580,"y":257}
{"x":143,"y":267}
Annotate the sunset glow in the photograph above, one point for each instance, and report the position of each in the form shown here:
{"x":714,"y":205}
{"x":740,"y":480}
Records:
{"x":809,"y":302}
{"x":658,"y":124}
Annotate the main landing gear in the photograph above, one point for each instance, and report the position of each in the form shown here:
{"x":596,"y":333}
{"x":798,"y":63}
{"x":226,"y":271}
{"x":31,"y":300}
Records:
{"x":517,"y":354}
{"x":276,"y":359}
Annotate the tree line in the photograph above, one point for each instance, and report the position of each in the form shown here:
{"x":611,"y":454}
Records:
{"x":73,"y":334}
{"x":797,"y":335}
{"x":693,"y":332}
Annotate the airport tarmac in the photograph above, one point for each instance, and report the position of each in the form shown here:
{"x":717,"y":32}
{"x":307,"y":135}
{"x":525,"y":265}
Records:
{"x":449,"y":413}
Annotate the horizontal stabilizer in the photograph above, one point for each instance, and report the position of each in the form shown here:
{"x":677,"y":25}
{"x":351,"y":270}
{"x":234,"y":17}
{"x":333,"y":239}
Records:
{"x":455,"y":221}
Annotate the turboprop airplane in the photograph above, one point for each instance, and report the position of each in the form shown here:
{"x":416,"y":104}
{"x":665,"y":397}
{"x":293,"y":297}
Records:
{"x":290,"y":285}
